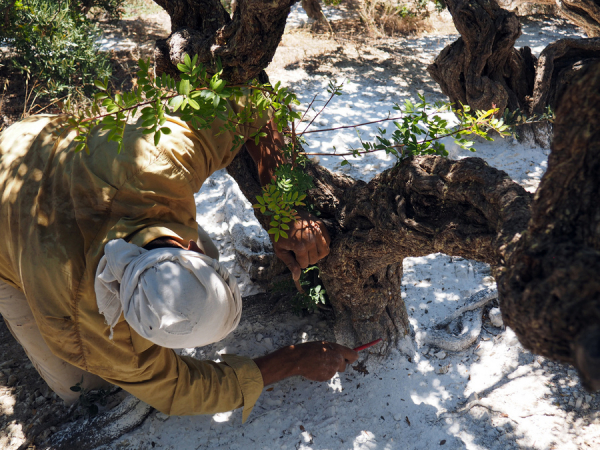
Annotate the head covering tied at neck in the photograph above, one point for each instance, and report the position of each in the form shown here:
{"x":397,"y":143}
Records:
{"x":173,"y":297}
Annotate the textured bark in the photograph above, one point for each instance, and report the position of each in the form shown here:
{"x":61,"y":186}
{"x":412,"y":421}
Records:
{"x":583,"y":13}
{"x":245,"y":43}
{"x":425,"y":205}
{"x":482,"y":68}
{"x":549,"y":288}
{"x":558,"y":64}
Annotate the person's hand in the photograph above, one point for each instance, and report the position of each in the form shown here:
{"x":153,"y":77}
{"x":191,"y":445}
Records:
{"x":307,"y":242}
{"x":320,"y":361}
{"x":317,"y":361}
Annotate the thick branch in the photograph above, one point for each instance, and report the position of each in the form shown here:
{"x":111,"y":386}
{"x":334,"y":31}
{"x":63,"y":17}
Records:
{"x":425,"y":205}
{"x":583,"y":13}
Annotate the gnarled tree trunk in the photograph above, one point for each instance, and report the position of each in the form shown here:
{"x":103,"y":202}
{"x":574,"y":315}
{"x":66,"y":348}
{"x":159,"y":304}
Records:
{"x":482,"y":68}
{"x":245,"y":43}
{"x":583,"y":13}
{"x":425,"y":205}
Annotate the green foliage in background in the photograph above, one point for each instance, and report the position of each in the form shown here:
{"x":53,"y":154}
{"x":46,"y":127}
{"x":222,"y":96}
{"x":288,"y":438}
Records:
{"x":113,"y":8}
{"x":54,"y":42}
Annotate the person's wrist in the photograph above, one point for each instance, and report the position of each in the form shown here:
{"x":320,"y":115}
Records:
{"x":278,"y":365}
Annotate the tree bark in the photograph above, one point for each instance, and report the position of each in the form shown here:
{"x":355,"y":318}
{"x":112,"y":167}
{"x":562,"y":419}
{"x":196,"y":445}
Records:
{"x":245,"y":44}
{"x":313,"y":9}
{"x":557,"y":66}
{"x":549,"y":287}
{"x":583,"y":13}
{"x":482,"y":68}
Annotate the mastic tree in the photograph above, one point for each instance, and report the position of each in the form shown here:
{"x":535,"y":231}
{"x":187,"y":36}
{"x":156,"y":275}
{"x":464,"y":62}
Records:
{"x":544,"y":249}
{"x":430,"y":204}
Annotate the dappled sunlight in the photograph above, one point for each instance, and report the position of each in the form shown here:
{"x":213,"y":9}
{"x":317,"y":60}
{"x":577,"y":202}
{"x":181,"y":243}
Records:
{"x":435,"y":397}
{"x":365,"y":440}
{"x":335,"y":384}
{"x":7,"y":403}
{"x":222,"y":417}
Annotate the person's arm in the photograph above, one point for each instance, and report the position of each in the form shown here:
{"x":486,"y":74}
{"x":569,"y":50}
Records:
{"x":267,"y":154}
{"x":317,"y":361}
{"x":308,"y":240}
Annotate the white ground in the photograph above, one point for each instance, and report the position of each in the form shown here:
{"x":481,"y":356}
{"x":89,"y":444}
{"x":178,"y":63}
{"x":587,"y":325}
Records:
{"x":495,"y":395}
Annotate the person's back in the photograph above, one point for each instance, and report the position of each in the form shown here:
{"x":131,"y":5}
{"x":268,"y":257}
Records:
{"x":60,"y":208}
{"x":72,"y":258}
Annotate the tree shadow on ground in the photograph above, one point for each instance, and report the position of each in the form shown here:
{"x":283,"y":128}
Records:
{"x":487,"y":421}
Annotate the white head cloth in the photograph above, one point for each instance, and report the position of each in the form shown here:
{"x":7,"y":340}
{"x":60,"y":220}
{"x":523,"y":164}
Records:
{"x":173,"y":297}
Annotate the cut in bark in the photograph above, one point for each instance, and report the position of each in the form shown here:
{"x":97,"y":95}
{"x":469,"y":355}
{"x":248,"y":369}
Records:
{"x":549,"y":288}
{"x":482,"y":68}
{"x":245,"y":43}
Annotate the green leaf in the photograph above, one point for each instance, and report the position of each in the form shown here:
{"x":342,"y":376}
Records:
{"x":183,"y":87}
{"x":176,"y":102}
{"x":99,"y":85}
{"x":157,"y":137}
{"x":187,"y":61}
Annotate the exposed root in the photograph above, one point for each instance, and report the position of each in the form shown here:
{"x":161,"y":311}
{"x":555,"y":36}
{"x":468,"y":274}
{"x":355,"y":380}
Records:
{"x":462,"y":328}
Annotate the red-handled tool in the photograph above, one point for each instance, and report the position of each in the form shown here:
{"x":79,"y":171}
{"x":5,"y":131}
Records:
{"x":370,"y":344}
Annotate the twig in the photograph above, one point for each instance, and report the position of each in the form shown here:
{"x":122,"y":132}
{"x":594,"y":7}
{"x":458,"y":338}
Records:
{"x":352,"y":126}
{"x":381,"y":149}
{"x":50,"y":104}
{"x":345,"y":154}
{"x":307,"y":109}
{"x":322,"y":109}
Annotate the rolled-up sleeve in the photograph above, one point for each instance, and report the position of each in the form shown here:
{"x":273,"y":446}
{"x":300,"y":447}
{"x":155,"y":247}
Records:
{"x":250,"y":379}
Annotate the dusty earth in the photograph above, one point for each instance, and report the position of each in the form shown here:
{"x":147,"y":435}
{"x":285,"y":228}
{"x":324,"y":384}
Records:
{"x":29,"y":412}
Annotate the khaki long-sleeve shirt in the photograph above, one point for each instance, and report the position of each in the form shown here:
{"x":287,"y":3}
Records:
{"x":58,"y":209}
